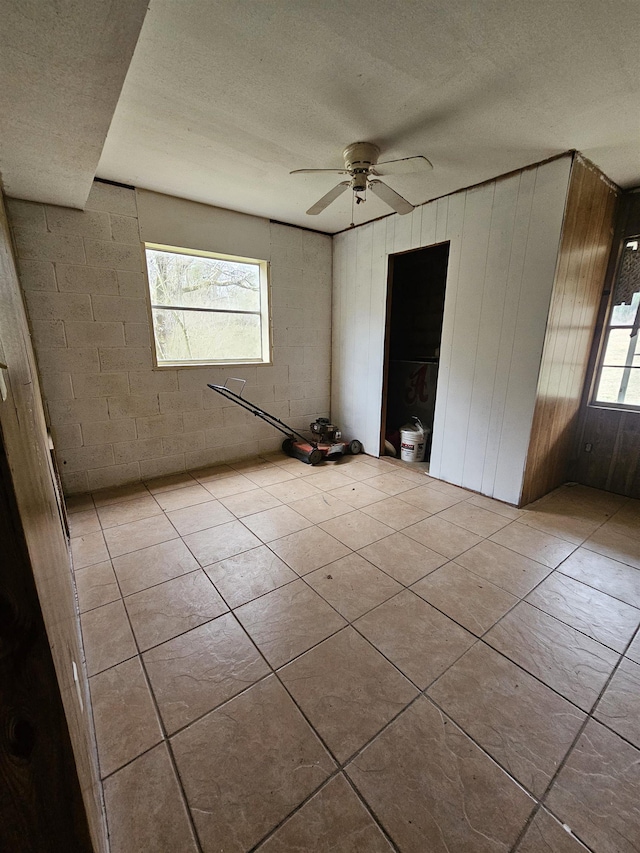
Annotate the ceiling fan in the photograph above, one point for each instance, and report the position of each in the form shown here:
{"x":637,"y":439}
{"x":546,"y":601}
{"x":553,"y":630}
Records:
{"x":361,"y":163}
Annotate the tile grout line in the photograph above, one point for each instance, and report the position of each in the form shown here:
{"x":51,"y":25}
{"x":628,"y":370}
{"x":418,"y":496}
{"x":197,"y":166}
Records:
{"x":163,"y":731}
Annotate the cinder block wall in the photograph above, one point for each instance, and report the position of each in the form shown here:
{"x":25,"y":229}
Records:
{"x":114,"y":419}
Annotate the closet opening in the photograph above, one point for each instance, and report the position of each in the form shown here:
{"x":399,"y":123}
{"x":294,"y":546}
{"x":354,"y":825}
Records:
{"x":415,"y":309}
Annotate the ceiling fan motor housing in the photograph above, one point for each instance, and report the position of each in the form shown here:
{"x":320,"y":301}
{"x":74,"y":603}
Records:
{"x":360,"y":156}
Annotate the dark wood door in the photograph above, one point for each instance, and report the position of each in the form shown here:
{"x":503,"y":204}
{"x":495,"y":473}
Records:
{"x":41,"y":809}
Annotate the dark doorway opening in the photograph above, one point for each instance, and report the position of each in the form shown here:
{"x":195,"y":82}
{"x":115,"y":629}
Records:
{"x":415,"y":309}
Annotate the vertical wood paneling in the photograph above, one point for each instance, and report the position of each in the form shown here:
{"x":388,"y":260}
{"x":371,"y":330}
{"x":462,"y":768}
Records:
{"x":504,"y":243}
{"x":584,"y":252}
{"x":449,"y":222}
{"x":460,"y":335}
{"x":483,"y":395}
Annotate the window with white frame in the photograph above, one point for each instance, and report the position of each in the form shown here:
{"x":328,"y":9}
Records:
{"x":207,"y":308}
{"x":618,"y":381}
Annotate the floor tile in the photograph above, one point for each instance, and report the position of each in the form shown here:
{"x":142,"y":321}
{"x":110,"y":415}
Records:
{"x":521,"y":723}
{"x":144,"y":506}
{"x":395,"y":513}
{"x":145,"y":808}
{"x":355,"y":530}
{"x":295,"y":489}
{"x":218,"y":543}
{"x":569,"y":662}
{"x":247,"y":765}
{"x":191,"y":519}
{"x":404,"y":559}
{"x":88,"y":550}
{"x":327,"y":479}
{"x":107,"y":637}
{"x":427,"y":499}
{"x":223,"y":487}
{"x":484,"y":522}
{"x":347,"y":690}
{"x":450,"y":490}
{"x":539,"y":546}
{"x":627,"y":520}
{"x":184,"y":497}
{"x":561,"y":524}
{"x":118,"y":494}
{"x":249,"y":575}
{"x":96,"y":585}
{"x":269,"y":475}
{"x":138,"y":535}
{"x":247,"y":503}
{"x":472,"y":601}
{"x":633,"y":651}
{"x":597,"y":792}
{"x":81,"y":523}
{"x":433,"y":789}
{"x":358,"y":470}
{"x":78,"y":503}
{"x":504,"y":568}
{"x":618,"y":707}
{"x":383,"y":466}
{"x":600,"y":616}
{"x":173,"y":607}
{"x":333,"y":820}
{"x":321,"y":507}
{"x":124,"y":715}
{"x":442,"y":536}
{"x":199,"y":670}
{"x":352,"y":585}
{"x":546,"y":835}
{"x":288,"y":621}
{"x":416,"y":637}
{"x":618,"y":546}
{"x":308,"y":549}
{"x":275,"y":523}
{"x":213,"y":472}
{"x":603,"y":573}
{"x":492,"y":505}
{"x":390,"y":484}
{"x":153,"y":565}
{"x":170,"y":482}
{"x":358,"y":494}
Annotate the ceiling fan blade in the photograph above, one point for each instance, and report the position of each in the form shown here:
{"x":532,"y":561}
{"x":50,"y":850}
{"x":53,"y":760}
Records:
{"x":326,"y":200}
{"x":404,"y":166}
{"x":390,"y":197}
{"x":313,"y":171}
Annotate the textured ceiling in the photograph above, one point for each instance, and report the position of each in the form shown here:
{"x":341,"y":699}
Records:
{"x":223,"y":99}
{"x":62,"y":66}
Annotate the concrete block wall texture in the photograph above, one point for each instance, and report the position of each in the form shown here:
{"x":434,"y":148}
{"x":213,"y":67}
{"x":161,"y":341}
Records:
{"x":113,"y":417}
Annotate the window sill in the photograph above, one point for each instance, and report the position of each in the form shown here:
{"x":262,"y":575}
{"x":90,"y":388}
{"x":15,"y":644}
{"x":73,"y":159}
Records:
{"x":615,"y":407}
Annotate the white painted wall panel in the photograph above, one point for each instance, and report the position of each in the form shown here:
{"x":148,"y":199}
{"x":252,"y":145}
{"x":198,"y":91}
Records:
{"x":504,"y":242}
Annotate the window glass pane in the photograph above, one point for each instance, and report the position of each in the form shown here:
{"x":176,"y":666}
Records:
{"x":191,"y":281}
{"x":611,"y":381}
{"x":205,"y":336}
{"x":617,"y":351}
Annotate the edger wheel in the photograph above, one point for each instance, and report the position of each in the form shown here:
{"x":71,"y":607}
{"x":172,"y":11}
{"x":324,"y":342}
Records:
{"x":355,"y":447}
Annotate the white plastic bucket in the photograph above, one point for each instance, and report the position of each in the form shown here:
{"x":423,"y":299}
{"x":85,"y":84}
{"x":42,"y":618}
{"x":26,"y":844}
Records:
{"x":412,"y":443}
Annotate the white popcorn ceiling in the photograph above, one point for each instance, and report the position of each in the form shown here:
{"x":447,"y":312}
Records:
{"x":223,"y":99}
{"x":62,"y":66}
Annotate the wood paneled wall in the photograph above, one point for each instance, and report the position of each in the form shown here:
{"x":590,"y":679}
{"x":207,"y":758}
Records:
{"x":504,"y":237}
{"x":613,"y":461}
{"x":40,"y":518}
{"x":582,"y":262}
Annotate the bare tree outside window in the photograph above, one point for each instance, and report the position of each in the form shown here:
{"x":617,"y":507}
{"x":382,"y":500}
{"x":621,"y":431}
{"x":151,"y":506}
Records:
{"x":207,"y":309}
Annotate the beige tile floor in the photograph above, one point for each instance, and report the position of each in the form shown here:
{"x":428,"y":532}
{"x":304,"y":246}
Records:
{"x":357,"y":657}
